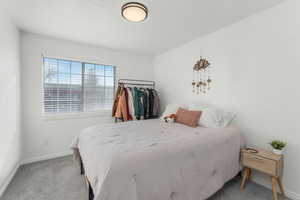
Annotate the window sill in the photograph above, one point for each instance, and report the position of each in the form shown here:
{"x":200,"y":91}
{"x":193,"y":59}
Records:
{"x":75,"y":115}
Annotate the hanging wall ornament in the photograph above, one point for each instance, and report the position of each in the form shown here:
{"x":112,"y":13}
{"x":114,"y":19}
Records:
{"x":204,"y":82}
{"x":198,"y":87}
{"x":208,"y":80}
{"x":201,"y":70}
{"x":201,"y":81}
{"x":193,"y":83}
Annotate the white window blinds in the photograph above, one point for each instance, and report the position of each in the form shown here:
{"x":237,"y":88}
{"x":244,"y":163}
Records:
{"x":72,"y":86}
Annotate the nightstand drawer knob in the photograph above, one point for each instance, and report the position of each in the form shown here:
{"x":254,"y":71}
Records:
{"x":256,"y":158}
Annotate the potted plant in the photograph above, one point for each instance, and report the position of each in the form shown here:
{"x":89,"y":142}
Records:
{"x":278,"y":146}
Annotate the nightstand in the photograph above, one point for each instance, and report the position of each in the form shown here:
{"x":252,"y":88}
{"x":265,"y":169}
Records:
{"x":266,"y":162}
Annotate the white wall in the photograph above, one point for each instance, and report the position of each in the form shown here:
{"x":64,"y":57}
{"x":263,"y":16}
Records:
{"x":44,"y":137}
{"x":10,"y":138}
{"x":255,"y":72}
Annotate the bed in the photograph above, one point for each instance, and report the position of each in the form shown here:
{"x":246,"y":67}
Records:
{"x":150,"y":159}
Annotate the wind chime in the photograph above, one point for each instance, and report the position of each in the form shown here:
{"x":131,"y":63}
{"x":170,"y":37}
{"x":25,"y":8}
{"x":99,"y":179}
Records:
{"x":201,"y":76}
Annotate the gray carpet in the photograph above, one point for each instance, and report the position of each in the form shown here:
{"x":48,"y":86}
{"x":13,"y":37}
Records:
{"x":59,"y":179}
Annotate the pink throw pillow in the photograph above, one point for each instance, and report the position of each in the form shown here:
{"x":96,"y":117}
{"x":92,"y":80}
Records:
{"x":188,"y":117}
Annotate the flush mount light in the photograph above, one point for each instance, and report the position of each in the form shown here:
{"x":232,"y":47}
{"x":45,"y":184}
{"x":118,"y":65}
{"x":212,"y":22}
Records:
{"x":134,"y":12}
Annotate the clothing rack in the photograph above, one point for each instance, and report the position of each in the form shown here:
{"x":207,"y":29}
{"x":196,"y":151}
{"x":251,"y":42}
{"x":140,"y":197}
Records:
{"x":137,"y":82}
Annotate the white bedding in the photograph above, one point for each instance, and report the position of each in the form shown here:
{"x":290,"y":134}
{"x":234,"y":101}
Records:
{"x":152,"y":160}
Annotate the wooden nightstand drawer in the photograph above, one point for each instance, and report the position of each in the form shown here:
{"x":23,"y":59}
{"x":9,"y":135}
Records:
{"x":259,"y":163}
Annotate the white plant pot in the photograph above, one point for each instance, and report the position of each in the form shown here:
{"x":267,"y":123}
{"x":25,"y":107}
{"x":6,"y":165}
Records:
{"x":278,"y":152}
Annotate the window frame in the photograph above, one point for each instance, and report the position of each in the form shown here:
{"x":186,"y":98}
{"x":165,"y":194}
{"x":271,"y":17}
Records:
{"x":74,"y":114}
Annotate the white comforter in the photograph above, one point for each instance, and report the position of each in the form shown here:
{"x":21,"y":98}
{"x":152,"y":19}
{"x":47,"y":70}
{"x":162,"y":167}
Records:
{"x":153,"y":160}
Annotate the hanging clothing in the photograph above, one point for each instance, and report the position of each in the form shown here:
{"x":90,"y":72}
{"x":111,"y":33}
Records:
{"x":122,"y":107}
{"x":115,"y":105}
{"x":151,"y":102}
{"x":127,"y":106}
{"x":130,"y":103}
{"x":135,"y":103}
{"x":155,"y":104}
{"x":144,"y":102}
{"x":138,"y":103}
{"x":148,"y":104}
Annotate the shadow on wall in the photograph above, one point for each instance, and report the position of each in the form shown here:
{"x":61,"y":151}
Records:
{"x":10,"y":142}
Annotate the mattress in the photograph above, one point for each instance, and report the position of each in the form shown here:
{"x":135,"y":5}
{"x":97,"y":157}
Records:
{"x":151,"y":159}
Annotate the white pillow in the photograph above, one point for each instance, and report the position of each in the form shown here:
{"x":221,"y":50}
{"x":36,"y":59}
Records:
{"x":198,"y":106}
{"x":172,"y":109}
{"x":212,"y":117}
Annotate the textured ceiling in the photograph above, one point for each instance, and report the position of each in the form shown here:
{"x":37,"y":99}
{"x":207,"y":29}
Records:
{"x":99,"y":22}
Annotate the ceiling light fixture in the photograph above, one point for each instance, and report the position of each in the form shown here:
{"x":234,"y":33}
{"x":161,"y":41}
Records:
{"x":134,"y":12}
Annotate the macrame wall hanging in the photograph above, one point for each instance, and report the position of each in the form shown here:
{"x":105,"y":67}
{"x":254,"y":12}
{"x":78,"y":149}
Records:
{"x":201,"y":76}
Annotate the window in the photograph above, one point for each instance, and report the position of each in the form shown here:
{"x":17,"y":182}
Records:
{"x":72,"y":86}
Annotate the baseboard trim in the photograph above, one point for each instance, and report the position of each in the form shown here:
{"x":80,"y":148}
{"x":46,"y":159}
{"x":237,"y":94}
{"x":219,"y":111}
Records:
{"x":8,"y":179}
{"x":290,"y":194}
{"x":45,"y":157}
